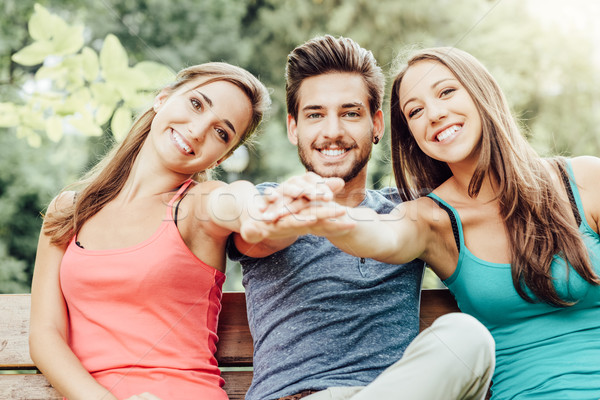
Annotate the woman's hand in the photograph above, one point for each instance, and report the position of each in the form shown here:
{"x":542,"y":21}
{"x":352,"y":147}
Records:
{"x":302,"y":204}
{"x":298,"y":193}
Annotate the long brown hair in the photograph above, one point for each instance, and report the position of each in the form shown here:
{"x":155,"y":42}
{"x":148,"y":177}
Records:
{"x":105,"y":180}
{"x":538,"y":223}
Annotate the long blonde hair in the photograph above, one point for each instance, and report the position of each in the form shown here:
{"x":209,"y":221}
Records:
{"x":539,"y":225}
{"x":106,"y":179}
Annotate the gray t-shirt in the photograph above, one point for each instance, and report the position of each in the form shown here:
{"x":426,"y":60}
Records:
{"x":320,"y":317}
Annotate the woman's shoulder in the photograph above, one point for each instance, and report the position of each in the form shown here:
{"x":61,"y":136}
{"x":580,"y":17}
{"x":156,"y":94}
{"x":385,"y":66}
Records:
{"x":422,"y":211}
{"x":447,"y":191}
{"x":586,"y":170}
{"x":205,"y":187}
{"x":62,"y":201}
{"x":196,"y":200}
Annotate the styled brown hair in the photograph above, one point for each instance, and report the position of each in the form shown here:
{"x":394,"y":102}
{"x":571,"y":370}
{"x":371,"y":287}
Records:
{"x":326,"y":54}
{"x":539,"y":225}
{"x":106,"y":179}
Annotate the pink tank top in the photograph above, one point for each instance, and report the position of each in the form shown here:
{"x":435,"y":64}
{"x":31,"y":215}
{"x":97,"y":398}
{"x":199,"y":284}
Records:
{"x":144,"y":318}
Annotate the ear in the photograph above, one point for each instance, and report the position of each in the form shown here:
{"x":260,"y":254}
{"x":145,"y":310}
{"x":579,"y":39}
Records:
{"x":225,"y":157}
{"x":221,"y":160}
{"x":292,"y":130}
{"x":160,"y":99}
{"x":378,"y":124}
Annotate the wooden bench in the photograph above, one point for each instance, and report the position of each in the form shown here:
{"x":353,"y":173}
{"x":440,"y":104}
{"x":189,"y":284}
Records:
{"x":234,"y":352}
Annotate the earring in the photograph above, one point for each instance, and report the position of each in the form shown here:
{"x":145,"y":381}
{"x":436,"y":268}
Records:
{"x":376,"y":140}
{"x":155,"y":107}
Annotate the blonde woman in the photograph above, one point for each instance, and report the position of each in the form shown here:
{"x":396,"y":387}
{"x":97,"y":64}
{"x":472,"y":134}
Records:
{"x":129,"y":269}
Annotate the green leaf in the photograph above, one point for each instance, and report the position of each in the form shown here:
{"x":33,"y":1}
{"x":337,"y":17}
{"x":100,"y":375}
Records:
{"x":121,"y":123}
{"x":34,"y":140}
{"x":76,"y":102}
{"x":32,"y":118}
{"x":105,"y":94}
{"x":9,"y":115}
{"x":52,"y":73}
{"x":29,"y":134}
{"x":84,"y":123}
{"x":33,"y":54}
{"x":126,"y":79}
{"x":72,"y":64}
{"x":113,"y":57}
{"x":68,"y":40}
{"x":40,"y":23}
{"x":157,"y":75}
{"x":103,"y":114}
{"x":42,"y":102}
{"x":136,"y":100}
{"x":90,"y":64}
{"x":72,"y":73}
{"x":54,"y":128}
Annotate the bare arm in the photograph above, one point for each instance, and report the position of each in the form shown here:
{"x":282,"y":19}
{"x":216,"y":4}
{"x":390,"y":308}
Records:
{"x":394,"y":238}
{"x":232,"y":205}
{"x":48,"y":325}
{"x":239,"y":207}
{"x":265,"y":224}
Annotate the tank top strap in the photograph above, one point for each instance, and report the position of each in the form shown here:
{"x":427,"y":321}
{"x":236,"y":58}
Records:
{"x":182,"y":189}
{"x":568,"y":178}
{"x":457,"y":230}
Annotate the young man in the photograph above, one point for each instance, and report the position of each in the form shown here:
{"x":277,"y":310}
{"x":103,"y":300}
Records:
{"x":326,"y":324}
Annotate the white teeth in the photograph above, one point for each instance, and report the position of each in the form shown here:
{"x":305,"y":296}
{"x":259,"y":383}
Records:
{"x":336,"y":152}
{"x":447,"y":132}
{"x":181,"y":143}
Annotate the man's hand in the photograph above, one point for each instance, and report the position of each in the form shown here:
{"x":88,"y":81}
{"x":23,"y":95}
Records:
{"x":302,"y":204}
{"x":295,"y":194}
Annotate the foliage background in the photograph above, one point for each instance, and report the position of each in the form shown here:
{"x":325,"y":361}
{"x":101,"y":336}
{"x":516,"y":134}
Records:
{"x":544,"y":53}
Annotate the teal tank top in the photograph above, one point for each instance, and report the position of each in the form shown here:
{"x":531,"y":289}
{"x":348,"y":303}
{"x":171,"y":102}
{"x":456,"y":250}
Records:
{"x":542,"y":352}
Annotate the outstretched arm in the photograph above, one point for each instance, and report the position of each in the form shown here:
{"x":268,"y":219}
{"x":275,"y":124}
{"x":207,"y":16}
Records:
{"x":393,"y":238}
{"x":264,"y":224}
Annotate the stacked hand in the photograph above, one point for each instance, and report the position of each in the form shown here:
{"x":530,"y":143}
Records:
{"x":302,"y":204}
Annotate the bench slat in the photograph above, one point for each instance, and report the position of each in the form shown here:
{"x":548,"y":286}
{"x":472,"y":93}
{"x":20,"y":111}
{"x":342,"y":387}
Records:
{"x":35,"y":386}
{"x":27,"y":387}
{"x":434,"y":303}
{"x":237,"y":383}
{"x":235,"y":347}
{"x":14,"y":331}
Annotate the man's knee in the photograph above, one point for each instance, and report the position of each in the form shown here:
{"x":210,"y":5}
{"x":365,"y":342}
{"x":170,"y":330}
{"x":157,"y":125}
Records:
{"x":467,"y":338}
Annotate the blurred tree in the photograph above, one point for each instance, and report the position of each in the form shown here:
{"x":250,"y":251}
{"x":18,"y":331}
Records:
{"x":76,"y":94}
{"x":175,"y":34}
{"x":75,"y":88}
{"x":521,"y":55}
{"x":549,"y":81}
{"x":29,"y":178}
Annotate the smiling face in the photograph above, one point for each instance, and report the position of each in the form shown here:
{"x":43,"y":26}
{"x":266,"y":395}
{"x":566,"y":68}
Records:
{"x":196,"y":126}
{"x":334,"y":130}
{"x":440,"y":113}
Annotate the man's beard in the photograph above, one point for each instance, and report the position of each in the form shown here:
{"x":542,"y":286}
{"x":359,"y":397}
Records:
{"x":347,"y":177}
